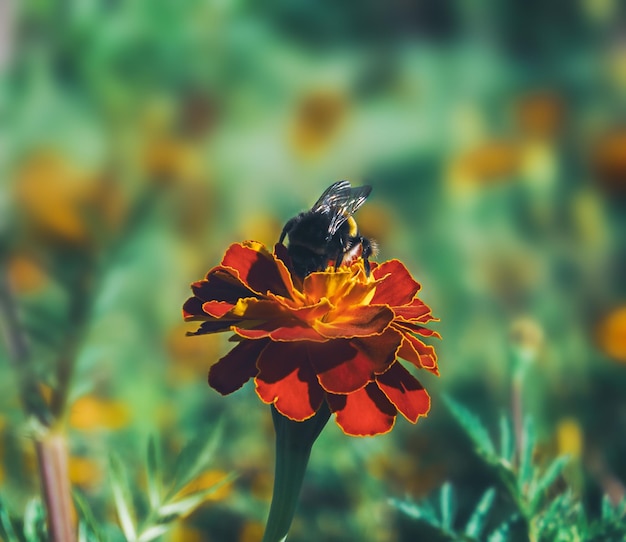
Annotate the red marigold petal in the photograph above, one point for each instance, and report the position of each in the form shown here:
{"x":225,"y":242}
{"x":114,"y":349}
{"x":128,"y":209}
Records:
{"x":365,"y":412}
{"x":416,"y":328}
{"x":419,"y":354}
{"x":286,"y":379}
{"x":217,"y":309}
{"x":405,"y":392}
{"x":212,"y":326}
{"x":257,"y":268}
{"x":416,"y":311}
{"x":382,"y":348}
{"x":220,"y":284}
{"x":357,"y":321}
{"x":399,"y":288}
{"x":192,"y":309}
{"x":293,"y":332}
{"x":281,"y":254}
{"x":340,"y":366}
{"x":237,"y":367}
{"x":344,"y":366}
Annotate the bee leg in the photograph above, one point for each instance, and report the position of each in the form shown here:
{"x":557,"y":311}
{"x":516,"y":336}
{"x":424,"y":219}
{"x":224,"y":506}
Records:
{"x":339,"y":260}
{"x":366,"y":252}
{"x":288,"y":227}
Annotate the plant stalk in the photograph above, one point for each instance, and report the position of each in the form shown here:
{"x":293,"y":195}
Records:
{"x":294,"y":441}
{"x":57,"y":493}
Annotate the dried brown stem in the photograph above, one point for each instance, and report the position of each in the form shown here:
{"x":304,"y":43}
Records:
{"x":52,"y":458}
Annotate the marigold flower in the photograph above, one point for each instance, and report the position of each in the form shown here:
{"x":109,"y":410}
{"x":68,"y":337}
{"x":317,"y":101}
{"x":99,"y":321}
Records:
{"x":333,"y":336}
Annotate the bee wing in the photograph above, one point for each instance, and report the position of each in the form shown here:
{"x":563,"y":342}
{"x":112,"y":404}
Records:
{"x":341,"y":201}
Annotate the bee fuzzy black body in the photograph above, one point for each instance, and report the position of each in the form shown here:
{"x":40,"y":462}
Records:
{"x":328,"y":233}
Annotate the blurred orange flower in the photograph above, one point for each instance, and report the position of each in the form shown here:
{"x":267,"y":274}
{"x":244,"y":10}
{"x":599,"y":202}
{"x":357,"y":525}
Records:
{"x":317,"y":120}
{"x":612,"y":334}
{"x":91,"y":413}
{"x":62,"y":202}
{"x":333,"y":336}
{"x":205,"y":481}
{"x":609,"y":160}
{"x":541,"y":114}
{"x":487,"y":164}
{"x":85,"y":472}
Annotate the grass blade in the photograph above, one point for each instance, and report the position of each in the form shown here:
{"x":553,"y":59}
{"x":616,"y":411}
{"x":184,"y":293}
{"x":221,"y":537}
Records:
{"x":448,"y":505}
{"x":7,"y":524}
{"x":478,"y":519}
{"x":123,"y":501}
{"x":153,"y":468}
{"x":473,"y":427}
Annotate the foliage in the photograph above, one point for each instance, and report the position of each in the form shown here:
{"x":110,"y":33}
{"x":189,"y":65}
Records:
{"x":540,"y":512}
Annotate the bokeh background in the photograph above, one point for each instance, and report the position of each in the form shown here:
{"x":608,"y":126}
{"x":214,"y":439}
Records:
{"x":139,"y":139}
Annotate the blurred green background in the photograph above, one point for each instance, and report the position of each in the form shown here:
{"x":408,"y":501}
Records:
{"x":139,"y":139}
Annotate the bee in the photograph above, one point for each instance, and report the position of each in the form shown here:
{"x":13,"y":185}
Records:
{"x":328,"y":234}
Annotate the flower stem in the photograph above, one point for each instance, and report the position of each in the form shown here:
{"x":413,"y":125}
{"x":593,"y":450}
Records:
{"x":52,"y":458}
{"x":294,"y":441}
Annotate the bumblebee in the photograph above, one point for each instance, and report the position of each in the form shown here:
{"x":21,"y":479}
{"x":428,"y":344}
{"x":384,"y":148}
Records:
{"x":327,"y":234}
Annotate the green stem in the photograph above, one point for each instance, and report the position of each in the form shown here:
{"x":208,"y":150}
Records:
{"x":294,"y":441}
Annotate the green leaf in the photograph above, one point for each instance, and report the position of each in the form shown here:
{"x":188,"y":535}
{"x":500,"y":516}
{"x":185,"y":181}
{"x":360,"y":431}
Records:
{"x":447,"y":502}
{"x":176,"y":509}
{"x":502,"y":532}
{"x":122,"y":498}
{"x":7,"y":524}
{"x":34,"y":521}
{"x":86,"y":516}
{"x":195,"y":458}
{"x":507,"y":446}
{"x":152,"y":532}
{"x":473,"y":427}
{"x":537,"y":492}
{"x":421,"y":511}
{"x":153,"y":467}
{"x":478,"y":519}
{"x":607,"y":508}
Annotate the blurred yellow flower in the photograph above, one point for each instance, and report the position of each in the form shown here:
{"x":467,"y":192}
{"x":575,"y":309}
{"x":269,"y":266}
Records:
{"x":84,"y":472}
{"x":540,"y":114}
{"x":181,"y":532}
{"x":90,"y":413}
{"x":611,"y":334}
{"x":608,"y":158}
{"x":63,"y":202}
{"x":191,"y":358}
{"x":205,"y":481}
{"x":489,"y":163}
{"x":569,"y":437}
{"x":168,"y":159}
{"x":25,"y":274}
{"x":251,"y":532}
{"x":318,"y":118}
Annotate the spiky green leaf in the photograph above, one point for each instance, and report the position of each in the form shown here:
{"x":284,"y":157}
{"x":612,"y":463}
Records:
{"x":34,"y":521}
{"x":473,"y":427}
{"x":507,"y":445}
{"x":153,"y":468}
{"x":537,"y":491}
{"x":447,"y":504}
{"x":122,"y":498}
{"x":86,"y":516}
{"x":478,"y":519}
{"x":195,"y":457}
{"x":175,"y":509}
{"x":7,"y":524}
